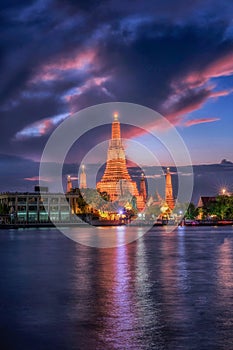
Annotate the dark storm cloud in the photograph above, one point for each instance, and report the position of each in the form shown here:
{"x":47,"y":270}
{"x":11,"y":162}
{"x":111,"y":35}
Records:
{"x":143,"y":72}
{"x":26,"y":109}
{"x":182,"y":10}
{"x":61,"y":56}
{"x":32,"y":36}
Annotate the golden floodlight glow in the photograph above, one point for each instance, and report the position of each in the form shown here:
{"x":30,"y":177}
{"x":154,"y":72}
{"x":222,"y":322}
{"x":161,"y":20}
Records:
{"x":115,"y":115}
{"x":116,"y":181}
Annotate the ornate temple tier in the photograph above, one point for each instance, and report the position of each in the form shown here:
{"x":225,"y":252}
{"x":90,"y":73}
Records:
{"x":169,"y":199}
{"x":116,"y":180}
{"x":82,"y":178}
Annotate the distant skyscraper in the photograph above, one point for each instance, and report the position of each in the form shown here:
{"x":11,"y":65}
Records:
{"x":83,"y":178}
{"x":116,"y":180}
{"x":169,"y":199}
{"x":69,"y":184}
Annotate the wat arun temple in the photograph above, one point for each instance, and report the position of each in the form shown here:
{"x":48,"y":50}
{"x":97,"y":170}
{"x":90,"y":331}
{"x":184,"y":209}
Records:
{"x":116,"y":180}
{"x":117,"y":183}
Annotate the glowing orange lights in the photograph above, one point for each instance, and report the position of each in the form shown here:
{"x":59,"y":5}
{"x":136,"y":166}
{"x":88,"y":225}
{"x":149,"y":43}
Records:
{"x":169,"y":191}
{"x":115,"y":115}
{"x":69,"y":184}
{"x":116,"y":180}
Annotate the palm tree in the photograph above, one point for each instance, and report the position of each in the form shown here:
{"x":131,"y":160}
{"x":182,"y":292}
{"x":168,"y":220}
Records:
{"x":223,"y":207}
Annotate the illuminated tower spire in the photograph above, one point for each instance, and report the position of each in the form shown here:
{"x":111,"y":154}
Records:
{"x":116,"y":180}
{"x":168,"y":191}
{"x":69,"y":184}
{"x":143,"y":192}
{"x":83,"y":178}
{"x":116,"y":129}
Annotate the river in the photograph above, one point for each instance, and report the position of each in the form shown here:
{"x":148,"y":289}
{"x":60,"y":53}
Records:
{"x":166,"y":290}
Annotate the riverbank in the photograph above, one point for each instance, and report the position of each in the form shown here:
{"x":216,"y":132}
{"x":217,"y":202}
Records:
{"x":116,"y":223}
{"x":41,"y":225}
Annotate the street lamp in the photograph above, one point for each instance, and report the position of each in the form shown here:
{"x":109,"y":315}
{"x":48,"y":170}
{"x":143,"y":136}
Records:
{"x":223,"y":191}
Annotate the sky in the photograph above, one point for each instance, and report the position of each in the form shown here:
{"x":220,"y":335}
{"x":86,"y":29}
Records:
{"x":58,"y":57}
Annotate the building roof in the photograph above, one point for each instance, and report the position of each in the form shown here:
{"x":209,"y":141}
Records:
{"x":204,"y":201}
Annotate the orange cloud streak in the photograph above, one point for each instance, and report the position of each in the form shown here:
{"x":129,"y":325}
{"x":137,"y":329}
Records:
{"x":51,"y":71}
{"x":200,"y":121}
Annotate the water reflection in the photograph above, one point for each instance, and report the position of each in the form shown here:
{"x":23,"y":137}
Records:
{"x":104,"y":236}
{"x":225,"y":290}
{"x":148,"y":307}
{"x":122,"y":323}
{"x":159,"y":292}
{"x":225,"y":263}
{"x":183,"y":278}
{"x":167,"y":290}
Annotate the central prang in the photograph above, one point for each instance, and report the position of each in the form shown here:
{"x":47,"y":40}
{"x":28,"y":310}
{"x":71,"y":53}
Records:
{"x":116,"y":181}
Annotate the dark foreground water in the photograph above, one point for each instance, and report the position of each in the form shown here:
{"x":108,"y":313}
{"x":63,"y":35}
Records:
{"x":164,"y":291}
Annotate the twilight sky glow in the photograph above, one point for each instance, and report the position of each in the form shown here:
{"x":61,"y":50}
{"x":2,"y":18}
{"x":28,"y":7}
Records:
{"x":58,"y":57}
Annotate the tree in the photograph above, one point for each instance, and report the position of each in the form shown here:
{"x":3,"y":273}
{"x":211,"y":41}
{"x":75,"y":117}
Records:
{"x":191,"y":212}
{"x":223,"y":207}
{"x":96,"y":200}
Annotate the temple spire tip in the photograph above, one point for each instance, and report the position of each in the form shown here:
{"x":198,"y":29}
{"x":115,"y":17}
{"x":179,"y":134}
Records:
{"x":115,"y":116}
